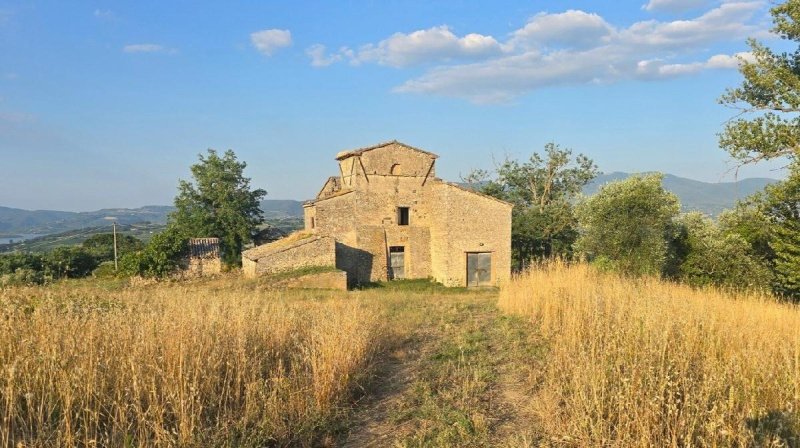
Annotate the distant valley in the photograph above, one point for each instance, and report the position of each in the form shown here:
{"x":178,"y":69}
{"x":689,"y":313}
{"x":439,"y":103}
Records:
{"x":710,"y":198}
{"x":14,"y":221}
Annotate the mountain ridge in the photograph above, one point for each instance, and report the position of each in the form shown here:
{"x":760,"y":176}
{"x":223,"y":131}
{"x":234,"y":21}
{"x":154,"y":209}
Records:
{"x":710,"y":198}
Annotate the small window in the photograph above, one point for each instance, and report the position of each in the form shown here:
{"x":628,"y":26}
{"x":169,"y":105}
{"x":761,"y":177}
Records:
{"x":402,"y":216}
{"x":313,"y":224}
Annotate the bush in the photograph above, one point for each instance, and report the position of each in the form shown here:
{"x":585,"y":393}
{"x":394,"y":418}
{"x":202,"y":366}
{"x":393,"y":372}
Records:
{"x":714,"y":257}
{"x":629,"y":223}
{"x":105,"y":270}
{"x":22,"y":277}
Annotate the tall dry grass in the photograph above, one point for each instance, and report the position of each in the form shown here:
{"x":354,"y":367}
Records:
{"x":635,"y":363}
{"x":175,"y":366}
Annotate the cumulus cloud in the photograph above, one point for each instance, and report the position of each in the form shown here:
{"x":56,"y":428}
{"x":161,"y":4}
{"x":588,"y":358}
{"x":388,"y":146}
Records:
{"x":572,"y":47}
{"x":148,"y":48}
{"x":269,"y":41}
{"x":437,"y":44}
{"x":569,"y":29}
{"x":674,"y":6}
{"x":320,"y":57}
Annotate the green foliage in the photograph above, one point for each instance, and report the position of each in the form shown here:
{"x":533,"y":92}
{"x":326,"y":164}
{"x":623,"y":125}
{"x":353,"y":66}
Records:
{"x":105,"y":270}
{"x":161,"y":256}
{"x":101,"y":246}
{"x":543,"y":190}
{"x":629,"y":225}
{"x":219,"y":203}
{"x":719,"y":258}
{"x":10,"y":263}
{"x":769,"y":97}
{"x":782,"y":207}
{"x":68,"y":262}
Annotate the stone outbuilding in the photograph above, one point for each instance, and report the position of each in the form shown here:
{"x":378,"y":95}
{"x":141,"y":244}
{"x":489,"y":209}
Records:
{"x":387,"y":216}
{"x":204,"y":257}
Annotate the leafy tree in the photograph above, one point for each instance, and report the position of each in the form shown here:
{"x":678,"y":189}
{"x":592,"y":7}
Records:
{"x":219,"y":203}
{"x":769,"y":97}
{"x":10,"y":263}
{"x":160,"y":257}
{"x":628,"y":225}
{"x":101,"y":246}
{"x":782,"y":207}
{"x":749,"y":220}
{"x":68,"y":262}
{"x":716,"y":257}
{"x":543,"y":190}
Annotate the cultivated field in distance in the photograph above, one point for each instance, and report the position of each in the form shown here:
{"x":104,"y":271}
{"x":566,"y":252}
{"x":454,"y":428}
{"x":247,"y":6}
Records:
{"x":643,"y":362}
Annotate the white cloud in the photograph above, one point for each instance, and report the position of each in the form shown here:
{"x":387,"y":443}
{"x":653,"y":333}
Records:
{"x":570,"y":29}
{"x":572,"y":47}
{"x":674,"y":6}
{"x":269,"y":41}
{"x":148,"y":48}
{"x":319,"y":57}
{"x":433,"y":45}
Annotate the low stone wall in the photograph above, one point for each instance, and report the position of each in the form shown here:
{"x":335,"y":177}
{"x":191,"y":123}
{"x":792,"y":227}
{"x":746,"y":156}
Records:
{"x":323,"y":280}
{"x":287,"y":256}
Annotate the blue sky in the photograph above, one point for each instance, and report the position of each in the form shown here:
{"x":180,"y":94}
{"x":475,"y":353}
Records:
{"x":106,"y":104}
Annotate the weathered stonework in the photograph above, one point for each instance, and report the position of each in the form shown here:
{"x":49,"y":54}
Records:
{"x":294,"y":252}
{"x":389,"y":216}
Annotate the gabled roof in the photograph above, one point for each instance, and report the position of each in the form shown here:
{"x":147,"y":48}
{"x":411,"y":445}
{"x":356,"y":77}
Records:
{"x":357,"y":152}
{"x":476,"y":193}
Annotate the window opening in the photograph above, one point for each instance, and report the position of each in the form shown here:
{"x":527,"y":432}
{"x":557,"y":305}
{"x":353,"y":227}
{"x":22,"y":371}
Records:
{"x":402,"y":216}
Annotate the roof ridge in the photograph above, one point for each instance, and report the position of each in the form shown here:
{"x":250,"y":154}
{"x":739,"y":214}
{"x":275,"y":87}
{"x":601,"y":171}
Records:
{"x":358,"y":151}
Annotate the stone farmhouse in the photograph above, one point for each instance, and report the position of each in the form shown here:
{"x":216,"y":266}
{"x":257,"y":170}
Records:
{"x":387,"y":216}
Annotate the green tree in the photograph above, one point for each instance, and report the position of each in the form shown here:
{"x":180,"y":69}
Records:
{"x":628,"y":226}
{"x":768,"y":98}
{"x":68,"y":262}
{"x":719,"y":258}
{"x":101,"y":246}
{"x":543,"y":190}
{"x":782,"y":207}
{"x":162,"y":255}
{"x":219,"y":203}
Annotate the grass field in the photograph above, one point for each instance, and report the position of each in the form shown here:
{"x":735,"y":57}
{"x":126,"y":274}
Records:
{"x":649,"y":363}
{"x":570,"y":357}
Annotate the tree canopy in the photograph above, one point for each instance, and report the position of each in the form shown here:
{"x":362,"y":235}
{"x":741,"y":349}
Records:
{"x":768,"y":98}
{"x":629,"y":224}
{"x":543,"y":190}
{"x":219,"y":203}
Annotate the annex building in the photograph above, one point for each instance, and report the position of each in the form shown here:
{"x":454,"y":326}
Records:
{"x":387,"y":216}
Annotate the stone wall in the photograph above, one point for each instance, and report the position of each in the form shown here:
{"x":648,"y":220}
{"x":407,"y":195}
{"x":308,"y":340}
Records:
{"x":361,"y":216}
{"x":286,"y":256}
{"x":468,"y":222}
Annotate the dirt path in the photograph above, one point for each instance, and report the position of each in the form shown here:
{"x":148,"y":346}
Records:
{"x":459,"y":376}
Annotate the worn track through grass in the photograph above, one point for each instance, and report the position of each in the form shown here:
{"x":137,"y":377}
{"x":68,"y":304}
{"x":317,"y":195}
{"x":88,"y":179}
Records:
{"x":456,"y":373}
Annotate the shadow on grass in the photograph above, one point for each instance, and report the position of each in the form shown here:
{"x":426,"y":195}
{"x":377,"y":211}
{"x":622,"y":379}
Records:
{"x":424,"y":285}
{"x":776,"y":428}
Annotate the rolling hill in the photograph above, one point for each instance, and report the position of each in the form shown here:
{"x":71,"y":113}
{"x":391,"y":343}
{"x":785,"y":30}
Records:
{"x":709,"y":198}
{"x":45,"y":222}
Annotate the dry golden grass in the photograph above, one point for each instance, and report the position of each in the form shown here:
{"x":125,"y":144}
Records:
{"x":639,"y":363}
{"x":177,"y":365}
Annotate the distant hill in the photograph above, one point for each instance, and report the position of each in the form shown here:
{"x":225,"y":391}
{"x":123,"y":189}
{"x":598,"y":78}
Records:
{"x":709,"y":198}
{"x":45,"y":222}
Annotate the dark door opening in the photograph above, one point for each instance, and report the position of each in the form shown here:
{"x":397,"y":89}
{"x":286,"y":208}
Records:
{"x":397,"y":262}
{"x":479,"y":269}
